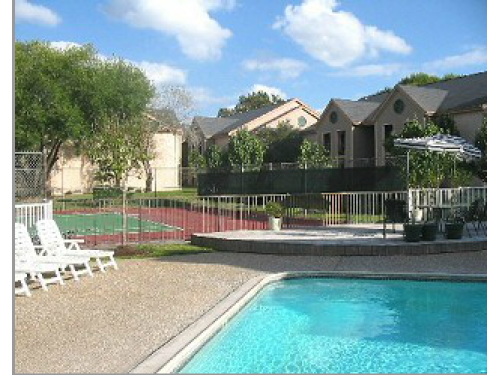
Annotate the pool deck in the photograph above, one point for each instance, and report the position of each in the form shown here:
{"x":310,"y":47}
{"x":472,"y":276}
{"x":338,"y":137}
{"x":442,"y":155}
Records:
{"x":346,"y":240}
{"x":112,"y":322}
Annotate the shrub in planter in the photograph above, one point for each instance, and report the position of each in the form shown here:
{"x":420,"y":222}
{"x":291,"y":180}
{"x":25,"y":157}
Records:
{"x":275,"y":212}
{"x":412,"y":232}
{"x":429,"y":231}
{"x":454,"y":230}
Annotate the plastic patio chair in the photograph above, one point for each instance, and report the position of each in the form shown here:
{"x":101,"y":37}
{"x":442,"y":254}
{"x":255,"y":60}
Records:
{"x":54,"y":243}
{"x":36,"y":271}
{"x":395,"y":212}
{"x":25,"y":251}
{"x":23,"y":289}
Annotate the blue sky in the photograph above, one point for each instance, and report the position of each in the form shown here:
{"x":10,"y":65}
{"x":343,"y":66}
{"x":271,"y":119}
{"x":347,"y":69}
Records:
{"x":311,"y":49}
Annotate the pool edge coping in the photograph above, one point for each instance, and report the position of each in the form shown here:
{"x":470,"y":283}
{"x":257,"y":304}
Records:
{"x":174,"y":353}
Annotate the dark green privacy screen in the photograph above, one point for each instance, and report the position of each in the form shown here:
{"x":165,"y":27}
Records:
{"x":299,"y":181}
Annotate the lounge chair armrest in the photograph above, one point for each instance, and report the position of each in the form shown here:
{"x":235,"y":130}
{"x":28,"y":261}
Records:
{"x":74,"y":240}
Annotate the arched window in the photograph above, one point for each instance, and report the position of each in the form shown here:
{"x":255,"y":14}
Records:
{"x":302,"y":121}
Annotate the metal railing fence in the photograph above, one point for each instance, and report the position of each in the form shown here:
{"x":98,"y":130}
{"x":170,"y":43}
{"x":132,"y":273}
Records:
{"x":177,"y":218}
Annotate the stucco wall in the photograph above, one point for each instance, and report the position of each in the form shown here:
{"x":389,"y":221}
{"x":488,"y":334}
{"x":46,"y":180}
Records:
{"x":74,"y":173}
{"x":343,"y":123}
{"x":468,"y":124}
{"x":387,"y":116}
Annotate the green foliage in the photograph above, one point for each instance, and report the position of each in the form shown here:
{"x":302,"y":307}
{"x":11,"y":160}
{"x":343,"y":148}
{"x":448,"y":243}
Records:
{"x":282,"y":143}
{"x":245,"y":149}
{"x":275,"y":209}
{"x":421,"y":79}
{"x":117,"y":149}
{"x":313,"y":155}
{"x":69,"y":95}
{"x":52,"y":94}
{"x":480,"y":143}
{"x":214,"y":157}
{"x":197,"y":160}
{"x":429,"y":169}
{"x":251,"y":101}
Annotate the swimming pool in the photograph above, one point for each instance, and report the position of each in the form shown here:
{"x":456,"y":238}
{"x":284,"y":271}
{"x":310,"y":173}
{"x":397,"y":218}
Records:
{"x":339,"y":325}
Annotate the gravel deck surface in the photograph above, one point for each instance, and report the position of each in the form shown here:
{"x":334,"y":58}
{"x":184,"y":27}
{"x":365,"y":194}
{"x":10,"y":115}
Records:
{"x":111,"y":322}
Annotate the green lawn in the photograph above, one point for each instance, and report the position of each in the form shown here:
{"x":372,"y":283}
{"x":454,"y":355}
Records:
{"x":106,"y":223}
{"x":159,"y":250}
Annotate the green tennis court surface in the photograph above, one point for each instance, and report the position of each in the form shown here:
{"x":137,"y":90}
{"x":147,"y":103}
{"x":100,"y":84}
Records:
{"x":107,"y":223}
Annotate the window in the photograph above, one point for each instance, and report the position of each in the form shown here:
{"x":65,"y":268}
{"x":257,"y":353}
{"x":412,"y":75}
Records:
{"x":302,"y":121}
{"x":333,"y":117}
{"x":341,"y":143}
{"x":399,"y":106}
{"x":327,"y":142}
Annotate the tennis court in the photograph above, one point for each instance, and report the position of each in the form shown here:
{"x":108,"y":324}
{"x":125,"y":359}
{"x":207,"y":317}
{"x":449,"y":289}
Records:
{"x":107,"y":223}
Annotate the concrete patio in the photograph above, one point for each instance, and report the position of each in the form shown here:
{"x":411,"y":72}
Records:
{"x":110,"y":323}
{"x":352,"y":240}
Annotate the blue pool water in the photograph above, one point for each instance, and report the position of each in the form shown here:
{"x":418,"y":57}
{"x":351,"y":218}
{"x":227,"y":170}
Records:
{"x":353,"y":326}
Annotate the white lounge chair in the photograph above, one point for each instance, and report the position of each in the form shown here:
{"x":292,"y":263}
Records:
{"x":24,"y":289}
{"x":54,"y":243}
{"x":25,"y":251}
{"x":36,"y":271}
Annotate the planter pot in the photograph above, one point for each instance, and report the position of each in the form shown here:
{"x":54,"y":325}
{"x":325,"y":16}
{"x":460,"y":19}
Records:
{"x":412,"y":232}
{"x":275,"y":223}
{"x":454,"y":231}
{"x":429,"y":231}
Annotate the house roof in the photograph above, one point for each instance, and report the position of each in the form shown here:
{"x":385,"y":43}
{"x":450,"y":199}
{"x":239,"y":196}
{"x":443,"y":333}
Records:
{"x":464,"y":92}
{"x":429,"y":99}
{"x":211,"y":126}
{"x":357,"y":111}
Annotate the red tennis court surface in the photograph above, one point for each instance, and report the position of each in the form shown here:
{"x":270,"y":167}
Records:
{"x":186,"y":220}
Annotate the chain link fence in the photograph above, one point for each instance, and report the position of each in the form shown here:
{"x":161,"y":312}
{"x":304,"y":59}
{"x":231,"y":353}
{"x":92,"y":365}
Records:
{"x":29,"y":177}
{"x":73,"y":180}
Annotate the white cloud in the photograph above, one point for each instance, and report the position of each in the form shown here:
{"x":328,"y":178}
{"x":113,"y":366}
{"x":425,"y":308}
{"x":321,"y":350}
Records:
{"x":26,"y":11}
{"x":159,"y":73}
{"x":62,"y":45}
{"x":287,"y":68}
{"x":199,"y":35}
{"x":270,"y":90}
{"x":336,"y":37}
{"x":204,"y":97}
{"x":370,"y":70}
{"x":475,"y":56}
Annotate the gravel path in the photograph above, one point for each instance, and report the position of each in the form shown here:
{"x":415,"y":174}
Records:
{"x":111,"y":322}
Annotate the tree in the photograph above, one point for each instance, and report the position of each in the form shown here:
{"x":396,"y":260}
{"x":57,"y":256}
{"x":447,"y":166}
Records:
{"x":428,"y":169}
{"x":68,"y":96}
{"x":118,"y":149}
{"x":282,"y":143}
{"x":313,"y":155}
{"x":176,"y":99}
{"x":245,"y":149}
{"x":53,"y":91}
{"x":421,"y":79}
{"x":251,"y":101}
{"x":214,"y":157}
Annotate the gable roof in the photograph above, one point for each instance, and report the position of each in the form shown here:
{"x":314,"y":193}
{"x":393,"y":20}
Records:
{"x":211,"y":126}
{"x":463,"y":92}
{"x":429,"y":99}
{"x":356,"y":111}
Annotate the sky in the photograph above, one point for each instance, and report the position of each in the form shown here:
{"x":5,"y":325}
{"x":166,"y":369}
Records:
{"x":314,"y":50}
